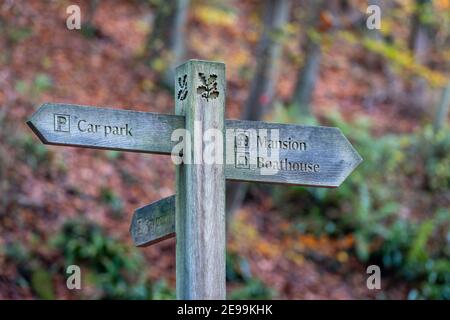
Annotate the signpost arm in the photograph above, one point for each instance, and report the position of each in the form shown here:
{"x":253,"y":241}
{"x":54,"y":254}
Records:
{"x":200,"y":202}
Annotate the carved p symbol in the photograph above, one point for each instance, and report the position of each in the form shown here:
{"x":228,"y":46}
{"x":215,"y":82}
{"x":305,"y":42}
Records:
{"x":62,"y":122}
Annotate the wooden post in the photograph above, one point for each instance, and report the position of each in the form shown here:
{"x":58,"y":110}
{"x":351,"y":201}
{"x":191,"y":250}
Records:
{"x":200,"y":201}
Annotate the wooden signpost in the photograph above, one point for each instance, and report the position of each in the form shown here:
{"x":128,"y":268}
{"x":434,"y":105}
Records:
{"x":243,"y":150}
{"x":104,"y":128}
{"x":314,"y":156}
{"x":154,"y":222}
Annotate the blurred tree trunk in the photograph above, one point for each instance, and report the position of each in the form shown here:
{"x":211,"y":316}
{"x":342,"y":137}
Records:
{"x":308,"y":73}
{"x":419,"y":41}
{"x":276,"y":16}
{"x":419,"y":44}
{"x":88,"y":28}
{"x":263,"y":86}
{"x":442,"y":110}
{"x":166,"y":43}
{"x":92,"y":9}
{"x":393,"y":88}
{"x":307,"y":78}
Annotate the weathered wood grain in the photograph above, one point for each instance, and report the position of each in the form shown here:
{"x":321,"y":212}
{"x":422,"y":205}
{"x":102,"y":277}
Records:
{"x":307,"y":155}
{"x":92,"y":127}
{"x":154,"y":222}
{"x":200,"y":205}
{"x":105,"y":128}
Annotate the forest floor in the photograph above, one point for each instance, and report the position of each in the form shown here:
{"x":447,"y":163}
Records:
{"x":111,"y":72}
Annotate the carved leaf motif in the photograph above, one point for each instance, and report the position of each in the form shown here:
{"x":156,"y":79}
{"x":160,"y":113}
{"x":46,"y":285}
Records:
{"x":214,"y":94}
{"x":203,"y":78}
{"x":212,"y":79}
{"x":182,"y":93}
{"x":201,"y":89}
{"x":208,"y":89}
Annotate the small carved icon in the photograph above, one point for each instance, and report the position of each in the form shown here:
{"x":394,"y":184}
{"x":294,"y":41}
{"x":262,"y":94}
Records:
{"x":182,"y":93}
{"x":242,"y":140}
{"x":208,"y":89}
{"x":142,"y":227}
{"x":62,"y":122}
{"x":242,"y":161}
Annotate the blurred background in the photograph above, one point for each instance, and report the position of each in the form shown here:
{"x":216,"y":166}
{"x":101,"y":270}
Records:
{"x":290,"y":61}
